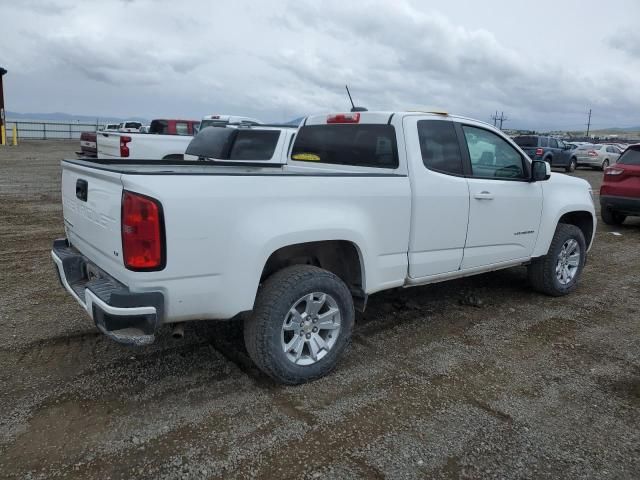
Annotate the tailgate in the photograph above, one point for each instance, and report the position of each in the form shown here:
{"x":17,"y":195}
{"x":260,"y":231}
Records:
{"x":108,"y":145}
{"x":91,"y":200}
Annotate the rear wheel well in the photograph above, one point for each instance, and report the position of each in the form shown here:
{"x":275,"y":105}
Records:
{"x":581,"y":219}
{"x":337,"y":256}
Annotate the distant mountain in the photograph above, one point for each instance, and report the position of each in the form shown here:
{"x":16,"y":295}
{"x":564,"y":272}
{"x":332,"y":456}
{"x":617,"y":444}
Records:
{"x":68,"y":117}
{"x":620,"y":129}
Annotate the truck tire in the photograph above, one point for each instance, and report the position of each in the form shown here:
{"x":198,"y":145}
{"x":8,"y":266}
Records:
{"x":611,"y":217}
{"x":557,"y":273}
{"x":301,"y":324}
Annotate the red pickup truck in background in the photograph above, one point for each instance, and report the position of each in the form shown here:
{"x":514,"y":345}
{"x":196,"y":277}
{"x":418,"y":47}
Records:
{"x":174,"y":127}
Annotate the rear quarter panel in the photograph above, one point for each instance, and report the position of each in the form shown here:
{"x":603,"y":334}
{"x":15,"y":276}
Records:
{"x":222,"y":229}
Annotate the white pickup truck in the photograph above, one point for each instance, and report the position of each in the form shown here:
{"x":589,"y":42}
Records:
{"x":368,"y":201}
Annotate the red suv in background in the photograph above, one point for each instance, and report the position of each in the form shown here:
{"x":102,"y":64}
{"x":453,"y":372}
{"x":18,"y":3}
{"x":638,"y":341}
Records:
{"x":620,"y":190}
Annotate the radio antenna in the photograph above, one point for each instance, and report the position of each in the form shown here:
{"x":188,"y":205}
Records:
{"x":353,"y":107}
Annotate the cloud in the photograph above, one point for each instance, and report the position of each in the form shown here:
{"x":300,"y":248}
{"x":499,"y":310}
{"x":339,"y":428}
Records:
{"x":627,"y":41}
{"x":282,"y":59}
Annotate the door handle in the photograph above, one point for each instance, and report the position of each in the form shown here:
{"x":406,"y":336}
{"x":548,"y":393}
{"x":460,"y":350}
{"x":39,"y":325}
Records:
{"x":484,"y":195}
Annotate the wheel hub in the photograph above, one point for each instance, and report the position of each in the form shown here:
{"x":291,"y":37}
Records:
{"x":310,"y":328}
{"x":568,"y":261}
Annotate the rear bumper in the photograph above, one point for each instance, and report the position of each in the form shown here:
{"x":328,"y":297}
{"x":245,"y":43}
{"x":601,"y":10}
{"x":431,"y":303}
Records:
{"x":124,"y":316}
{"x":625,"y":205}
{"x":589,"y":161}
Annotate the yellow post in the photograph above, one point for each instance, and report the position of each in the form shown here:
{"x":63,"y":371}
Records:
{"x":3,"y":136}
{"x":14,"y":140}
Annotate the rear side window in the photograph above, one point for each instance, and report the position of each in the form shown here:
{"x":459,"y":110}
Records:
{"x":526,"y":141}
{"x":544,"y":141}
{"x":553,"y":143}
{"x":631,"y":156}
{"x":159,"y":126}
{"x":234,"y":144}
{"x":182,"y":128}
{"x":254,"y":145}
{"x":362,"y":145}
{"x":439,"y":146}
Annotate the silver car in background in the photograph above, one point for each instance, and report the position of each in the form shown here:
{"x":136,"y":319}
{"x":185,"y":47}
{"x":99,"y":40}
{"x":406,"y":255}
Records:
{"x":597,"y":156}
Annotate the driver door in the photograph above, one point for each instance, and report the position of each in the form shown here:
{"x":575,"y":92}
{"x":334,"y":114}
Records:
{"x":505,"y":207}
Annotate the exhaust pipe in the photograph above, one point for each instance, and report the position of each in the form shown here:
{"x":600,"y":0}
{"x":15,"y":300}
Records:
{"x":178,"y":331}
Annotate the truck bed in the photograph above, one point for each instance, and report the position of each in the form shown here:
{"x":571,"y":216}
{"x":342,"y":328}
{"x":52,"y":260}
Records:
{"x":185,"y":167}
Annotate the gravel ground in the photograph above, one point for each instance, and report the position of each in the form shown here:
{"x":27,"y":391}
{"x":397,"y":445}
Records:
{"x":511,"y":385}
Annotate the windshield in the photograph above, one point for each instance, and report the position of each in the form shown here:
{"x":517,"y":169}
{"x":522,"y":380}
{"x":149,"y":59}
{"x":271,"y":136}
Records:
{"x":526,"y":141}
{"x":631,"y":156}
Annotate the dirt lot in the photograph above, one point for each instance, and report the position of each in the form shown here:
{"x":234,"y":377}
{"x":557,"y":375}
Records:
{"x":519,"y":386}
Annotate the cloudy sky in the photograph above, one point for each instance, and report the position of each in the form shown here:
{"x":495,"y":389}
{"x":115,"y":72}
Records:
{"x":543,"y":63}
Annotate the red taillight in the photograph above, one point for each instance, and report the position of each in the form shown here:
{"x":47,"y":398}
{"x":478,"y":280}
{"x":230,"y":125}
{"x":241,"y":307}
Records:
{"x":344,"y":118}
{"x":124,"y":149}
{"x":613,"y":171}
{"x":592,"y":153}
{"x":142,"y":232}
{"x":539,"y":152}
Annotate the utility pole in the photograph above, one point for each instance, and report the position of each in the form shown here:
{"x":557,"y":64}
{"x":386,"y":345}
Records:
{"x":497,"y":119}
{"x":589,"y":123}
{"x":502,"y":119}
{"x":3,"y":123}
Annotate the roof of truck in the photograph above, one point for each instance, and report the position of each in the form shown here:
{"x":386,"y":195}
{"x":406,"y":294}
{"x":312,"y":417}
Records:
{"x":377,"y":117}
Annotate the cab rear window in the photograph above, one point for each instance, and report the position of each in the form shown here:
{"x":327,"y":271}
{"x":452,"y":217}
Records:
{"x":362,"y":145}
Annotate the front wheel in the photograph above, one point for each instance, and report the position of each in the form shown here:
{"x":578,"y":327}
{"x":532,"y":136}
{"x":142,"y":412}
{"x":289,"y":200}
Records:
{"x":604,"y":165}
{"x":557,"y":273}
{"x":301,"y":324}
{"x":572,"y":165}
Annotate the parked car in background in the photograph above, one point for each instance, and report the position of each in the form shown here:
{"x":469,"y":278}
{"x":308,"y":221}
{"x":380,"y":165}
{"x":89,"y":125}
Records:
{"x":597,"y":156}
{"x":368,"y":201}
{"x":549,"y":149}
{"x":129,"y":127}
{"x":620,"y":190}
{"x":109,"y":127}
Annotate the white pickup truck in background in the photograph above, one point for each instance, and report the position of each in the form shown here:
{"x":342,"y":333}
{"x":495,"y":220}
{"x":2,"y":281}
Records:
{"x":166,"y":139}
{"x":367,"y":201}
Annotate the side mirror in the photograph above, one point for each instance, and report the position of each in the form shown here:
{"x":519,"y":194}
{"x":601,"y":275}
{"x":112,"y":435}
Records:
{"x":540,"y":170}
